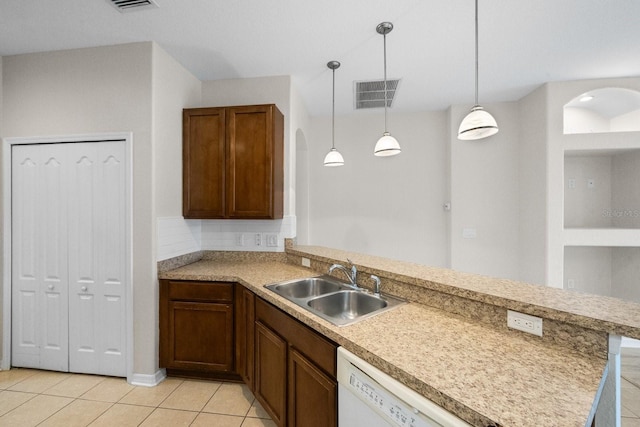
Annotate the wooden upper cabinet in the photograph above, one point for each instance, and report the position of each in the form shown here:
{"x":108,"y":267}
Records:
{"x":203,"y":163}
{"x":233,"y":162}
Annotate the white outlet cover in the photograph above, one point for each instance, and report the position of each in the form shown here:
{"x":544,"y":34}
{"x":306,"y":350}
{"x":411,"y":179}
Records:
{"x":524,"y":322}
{"x":272,"y":240}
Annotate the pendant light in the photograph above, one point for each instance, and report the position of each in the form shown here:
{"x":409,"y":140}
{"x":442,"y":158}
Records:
{"x":386,"y":145}
{"x":333,"y":157}
{"x":478,"y":123}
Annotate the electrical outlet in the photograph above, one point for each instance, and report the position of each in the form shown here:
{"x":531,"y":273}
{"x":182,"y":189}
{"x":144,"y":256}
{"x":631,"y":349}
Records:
{"x":306,"y":262}
{"x":524,"y":322}
{"x":272,"y":240}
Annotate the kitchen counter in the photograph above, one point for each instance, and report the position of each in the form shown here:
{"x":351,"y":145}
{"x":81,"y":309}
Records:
{"x":486,"y":375}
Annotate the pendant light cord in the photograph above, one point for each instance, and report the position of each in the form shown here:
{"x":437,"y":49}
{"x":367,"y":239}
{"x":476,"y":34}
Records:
{"x":333,"y":111}
{"x":384,"y":36}
{"x":476,"y":52}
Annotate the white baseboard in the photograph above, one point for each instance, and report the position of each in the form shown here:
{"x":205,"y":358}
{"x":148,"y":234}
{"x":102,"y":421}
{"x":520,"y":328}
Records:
{"x":146,"y":380}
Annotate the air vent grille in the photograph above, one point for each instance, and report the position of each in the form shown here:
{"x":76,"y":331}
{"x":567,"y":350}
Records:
{"x":132,"y":5}
{"x":370,"y":94}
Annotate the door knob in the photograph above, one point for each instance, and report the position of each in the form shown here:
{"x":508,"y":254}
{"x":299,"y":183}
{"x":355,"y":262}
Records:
{"x":83,"y":289}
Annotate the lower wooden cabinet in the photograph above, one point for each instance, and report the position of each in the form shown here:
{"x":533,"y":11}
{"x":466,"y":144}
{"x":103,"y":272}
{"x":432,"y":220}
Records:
{"x":295,"y":370}
{"x":197,"y":329}
{"x":224,"y":331}
{"x":312,"y":394}
{"x":245,"y":327}
{"x":271,"y":373}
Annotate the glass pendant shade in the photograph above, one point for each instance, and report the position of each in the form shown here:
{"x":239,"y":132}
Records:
{"x":387,"y":146}
{"x":333,"y":158}
{"x":477,"y":124}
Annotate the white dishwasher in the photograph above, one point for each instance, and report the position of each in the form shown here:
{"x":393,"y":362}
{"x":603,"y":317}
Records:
{"x":367,"y":397}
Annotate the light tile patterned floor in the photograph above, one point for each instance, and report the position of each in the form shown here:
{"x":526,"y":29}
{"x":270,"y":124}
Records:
{"x":40,"y":398}
{"x":630,"y":362}
{"x":30,"y":397}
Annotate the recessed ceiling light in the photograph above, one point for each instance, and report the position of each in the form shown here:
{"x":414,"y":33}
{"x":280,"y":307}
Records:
{"x":586,"y":98}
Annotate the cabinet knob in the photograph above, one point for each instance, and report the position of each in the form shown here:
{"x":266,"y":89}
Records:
{"x":83,"y":289}
{"x":50,"y":287}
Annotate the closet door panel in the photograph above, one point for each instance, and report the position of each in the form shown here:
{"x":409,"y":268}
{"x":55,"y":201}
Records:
{"x":83,"y":259}
{"x":112,"y":253}
{"x":97,"y":260}
{"x":39,"y":270}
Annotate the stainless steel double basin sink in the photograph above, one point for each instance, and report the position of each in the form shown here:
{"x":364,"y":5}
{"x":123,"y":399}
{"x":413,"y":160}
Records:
{"x":334,"y":300}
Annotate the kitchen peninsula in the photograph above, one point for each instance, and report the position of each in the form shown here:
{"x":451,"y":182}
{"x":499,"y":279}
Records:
{"x":451,"y":343}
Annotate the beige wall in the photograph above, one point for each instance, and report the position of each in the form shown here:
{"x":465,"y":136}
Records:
{"x":107,"y":89}
{"x":173,"y":88}
{"x":393,"y":207}
{"x":386,"y":206}
{"x":485,"y":191}
{"x":532,"y":164}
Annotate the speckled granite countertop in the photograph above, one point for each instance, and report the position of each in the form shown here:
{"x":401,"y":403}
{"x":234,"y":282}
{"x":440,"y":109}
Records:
{"x":599,"y":313}
{"x":486,"y":375}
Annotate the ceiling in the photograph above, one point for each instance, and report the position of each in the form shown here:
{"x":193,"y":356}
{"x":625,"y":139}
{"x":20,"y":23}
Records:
{"x":523,"y":44}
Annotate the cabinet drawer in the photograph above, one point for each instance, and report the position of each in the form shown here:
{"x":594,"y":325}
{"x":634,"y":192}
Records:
{"x":200,"y":291}
{"x":314,"y":346}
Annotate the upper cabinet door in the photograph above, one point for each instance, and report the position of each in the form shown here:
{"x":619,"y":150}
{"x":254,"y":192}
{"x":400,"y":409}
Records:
{"x":233,"y":162}
{"x":203,"y":170}
{"x":254,"y":162}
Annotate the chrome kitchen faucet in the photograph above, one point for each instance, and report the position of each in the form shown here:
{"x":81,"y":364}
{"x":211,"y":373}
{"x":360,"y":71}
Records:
{"x":352,"y":274}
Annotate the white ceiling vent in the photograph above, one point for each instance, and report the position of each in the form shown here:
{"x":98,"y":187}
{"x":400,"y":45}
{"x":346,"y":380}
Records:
{"x":370,"y":94}
{"x":132,"y":5}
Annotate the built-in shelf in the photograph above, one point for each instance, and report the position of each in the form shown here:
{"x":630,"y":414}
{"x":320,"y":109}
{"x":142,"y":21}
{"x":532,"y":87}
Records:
{"x":620,"y":237}
{"x":590,"y":143}
{"x":603,"y":270}
{"x":601,"y":234}
{"x":601,"y":189}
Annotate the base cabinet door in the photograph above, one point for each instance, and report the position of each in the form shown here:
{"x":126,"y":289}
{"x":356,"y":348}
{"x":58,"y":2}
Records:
{"x":312,"y":394}
{"x":271,"y":373}
{"x":295,"y":370}
{"x":201,"y":336}
{"x":245,"y":327}
{"x":197,"y":329}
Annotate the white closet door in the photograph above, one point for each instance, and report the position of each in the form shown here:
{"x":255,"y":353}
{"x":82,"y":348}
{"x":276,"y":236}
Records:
{"x":97,"y":334}
{"x":69,"y":257}
{"x":39,"y":260}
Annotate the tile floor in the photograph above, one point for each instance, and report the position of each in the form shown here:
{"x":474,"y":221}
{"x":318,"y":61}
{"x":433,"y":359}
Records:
{"x":630,"y":373}
{"x":41,"y":398}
